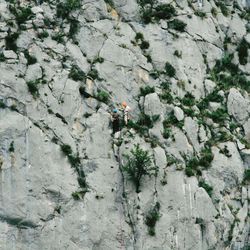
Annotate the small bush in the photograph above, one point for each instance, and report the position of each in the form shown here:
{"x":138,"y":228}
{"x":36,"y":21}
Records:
{"x":219,"y":115}
{"x":192,"y":167}
{"x":58,"y":37}
{"x":43,"y":34}
{"x":33,"y":87}
{"x":93,"y":73}
{"x":76,"y":73}
{"x":63,"y":9}
{"x":208,"y":188}
{"x":139,"y":36}
{"x":188,"y":100}
{"x":2,"y":104}
{"x":146,"y":90}
{"x":110,"y":3}
{"x":22,"y":14}
{"x":164,"y":11}
{"x":144,"y":45}
{"x":214,"y":12}
{"x":10,"y":41}
{"x":103,"y":96}
{"x":243,"y":51}
{"x":246,"y":178}
{"x":30,"y":59}
{"x":170,"y":70}
{"x":11,"y":148}
{"x":200,"y":14}
{"x":66,"y":149}
{"x":74,"y":27}
{"x":152,"y":217}
{"x":206,"y":157}
{"x":139,"y":164}
{"x":223,"y":8}
{"x":177,"y":25}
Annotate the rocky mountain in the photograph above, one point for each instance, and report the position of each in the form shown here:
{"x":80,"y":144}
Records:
{"x":183,"y":67}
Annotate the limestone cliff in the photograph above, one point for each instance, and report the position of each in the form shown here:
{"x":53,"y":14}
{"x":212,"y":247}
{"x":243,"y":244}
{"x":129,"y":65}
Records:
{"x":183,"y":67}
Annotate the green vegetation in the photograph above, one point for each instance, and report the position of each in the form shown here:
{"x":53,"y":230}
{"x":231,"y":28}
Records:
{"x":177,"y":24}
{"x":76,"y":73}
{"x":226,"y":74}
{"x":33,"y":87}
{"x":93,"y":74}
{"x":22,"y":14}
{"x":170,"y":70}
{"x":200,"y":14}
{"x":30,"y":59}
{"x":172,"y":121}
{"x":223,"y":7}
{"x":212,"y":97}
{"x":225,"y":151}
{"x":144,"y":123}
{"x":243,"y":51}
{"x":2,"y":104}
{"x":43,"y":34}
{"x":2,"y":58}
{"x":58,"y":36}
{"x":208,"y":188}
{"x":195,"y":164}
{"x":146,"y":90}
{"x":178,"y":53}
{"x":10,"y":41}
{"x":214,"y":12}
{"x":153,"y":12}
{"x":246,"y":178}
{"x":188,"y":100}
{"x":110,"y":3}
{"x":74,"y":27}
{"x":219,"y":115}
{"x":66,"y":149}
{"x":152,"y":217}
{"x":102,"y":96}
{"x":63,"y":9}
{"x":11,"y":148}
{"x":139,"y":164}
{"x":166,"y":92}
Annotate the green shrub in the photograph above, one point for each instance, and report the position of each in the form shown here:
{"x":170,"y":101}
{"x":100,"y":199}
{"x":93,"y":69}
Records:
{"x":93,"y":73}
{"x":172,"y":121}
{"x":2,"y":104}
{"x":139,"y":164}
{"x":192,"y":167}
{"x":103,"y":96}
{"x":110,"y":3}
{"x":146,"y":90}
{"x":10,"y":41}
{"x":2,"y":57}
{"x":58,"y":36}
{"x":246,"y":178}
{"x":33,"y":87}
{"x":43,"y":34}
{"x":30,"y":59}
{"x":214,"y":12}
{"x":200,"y":14}
{"x":22,"y":14}
{"x":188,"y":100}
{"x":208,"y":188}
{"x":170,"y":70}
{"x":79,"y":195}
{"x":243,"y":51}
{"x":98,"y":59}
{"x":74,"y":27}
{"x":177,"y":24}
{"x":144,"y":45}
{"x":178,"y":53}
{"x":212,"y":97}
{"x":63,"y":9}
{"x":166,"y":133}
{"x":219,"y":115}
{"x":223,"y":8}
{"x":66,"y":149}
{"x":139,"y":36}
{"x":76,"y":73}
{"x":206,"y":157}
{"x":11,"y":148}
{"x":164,"y":11}
{"x":152,"y":217}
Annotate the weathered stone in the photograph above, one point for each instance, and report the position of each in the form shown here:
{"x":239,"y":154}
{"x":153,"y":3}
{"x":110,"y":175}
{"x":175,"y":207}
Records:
{"x":152,"y":105}
{"x":237,"y":105}
{"x":178,"y":113}
{"x":10,"y":54}
{"x":33,"y":72}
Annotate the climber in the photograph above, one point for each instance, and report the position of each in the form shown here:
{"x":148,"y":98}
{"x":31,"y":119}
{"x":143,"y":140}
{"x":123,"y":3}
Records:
{"x":115,"y":121}
{"x":126,"y":109}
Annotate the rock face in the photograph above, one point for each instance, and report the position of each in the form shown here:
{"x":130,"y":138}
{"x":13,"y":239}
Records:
{"x":182,"y":67}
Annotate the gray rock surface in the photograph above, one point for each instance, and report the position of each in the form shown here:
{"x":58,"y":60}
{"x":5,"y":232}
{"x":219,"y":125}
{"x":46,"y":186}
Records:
{"x":90,"y":60}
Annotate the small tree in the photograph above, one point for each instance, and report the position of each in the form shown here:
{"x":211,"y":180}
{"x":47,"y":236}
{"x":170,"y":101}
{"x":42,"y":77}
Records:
{"x":138,"y":164}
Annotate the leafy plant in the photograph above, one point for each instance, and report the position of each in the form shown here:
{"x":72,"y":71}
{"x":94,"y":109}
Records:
{"x":63,"y":9}
{"x":243,"y":51}
{"x":11,"y":148}
{"x":188,"y":100}
{"x":33,"y":87}
{"x":177,"y":24}
{"x":170,"y":70}
{"x":103,"y":96}
{"x":200,"y":14}
{"x":152,"y":217}
{"x":66,"y":149}
{"x":139,"y":164}
{"x":208,"y":188}
{"x":76,"y":73}
{"x":146,"y":90}
{"x":2,"y":104}
{"x":246,"y":178}
{"x":10,"y":41}
{"x":30,"y":59}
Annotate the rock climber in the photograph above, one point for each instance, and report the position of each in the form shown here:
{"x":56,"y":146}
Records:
{"x":115,"y":121}
{"x":126,"y":109}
